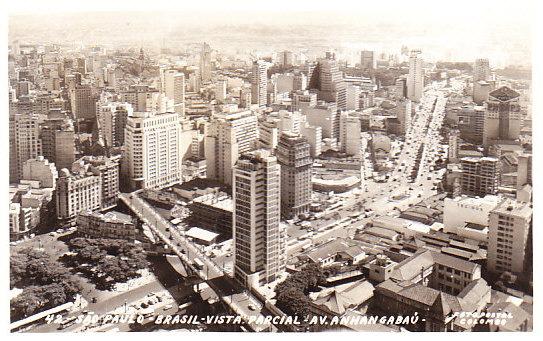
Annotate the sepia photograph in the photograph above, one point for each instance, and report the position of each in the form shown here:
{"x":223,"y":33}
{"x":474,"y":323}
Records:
{"x":274,"y":167}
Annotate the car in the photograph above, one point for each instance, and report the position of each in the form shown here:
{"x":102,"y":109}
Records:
{"x":167,"y":307}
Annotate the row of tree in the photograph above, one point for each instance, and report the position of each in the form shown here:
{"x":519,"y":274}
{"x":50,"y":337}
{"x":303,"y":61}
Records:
{"x":45,"y":283}
{"x":106,"y":261}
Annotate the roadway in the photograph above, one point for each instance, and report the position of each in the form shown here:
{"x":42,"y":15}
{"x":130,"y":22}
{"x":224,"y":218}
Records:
{"x":239,"y":300}
{"x":401,"y":189}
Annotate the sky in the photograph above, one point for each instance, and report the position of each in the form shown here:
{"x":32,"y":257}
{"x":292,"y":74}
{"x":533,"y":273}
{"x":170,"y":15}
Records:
{"x":457,"y":30}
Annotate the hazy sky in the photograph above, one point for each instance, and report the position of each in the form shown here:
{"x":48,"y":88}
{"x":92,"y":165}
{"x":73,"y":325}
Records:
{"x":457,"y":29}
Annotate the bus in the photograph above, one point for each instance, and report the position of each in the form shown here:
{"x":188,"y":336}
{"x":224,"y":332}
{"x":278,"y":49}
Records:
{"x":198,"y":263}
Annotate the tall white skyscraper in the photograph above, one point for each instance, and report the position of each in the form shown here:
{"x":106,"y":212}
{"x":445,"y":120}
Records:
{"x":293,"y":154}
{"x":367,"y":60}
{"x":508,"y":235}
{"x":24,"y":143}
{"x":415,"y":79}
{"x":350,"y":137}
{"x":481,"y":70}
{"x":174,"y":89}
{"x":259,"y":83}
{"x":259,"y":239}
{"x":205,"y":63}
{"x":153,"y":154}
{"x":227,"y":136}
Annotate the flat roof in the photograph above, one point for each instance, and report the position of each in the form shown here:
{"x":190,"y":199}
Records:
{"x":199,"y":233}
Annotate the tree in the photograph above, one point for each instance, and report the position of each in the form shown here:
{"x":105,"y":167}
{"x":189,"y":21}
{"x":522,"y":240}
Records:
{"x":294,"y":303}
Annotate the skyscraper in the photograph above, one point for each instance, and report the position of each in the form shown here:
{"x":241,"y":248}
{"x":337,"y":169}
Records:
{"x":152,"y":144}
{"x":286,"y":58}
{"x":259,"y":83}
{"x":58,"y":142}
{"x":480,"y":175}
{"x":508,"y":230}
{"x":328,"y":81}
{"x":24,"y":143}
{"x":112,"y":118}
{"x":174,"y":89}
{"x":205,"y":63}
{"x":454,"y":135}
{"x":367,"y":60}
{"x":228,"y":135}
{"x":415,"y":79}
{"x":481,"y":70}
{"x":293,"y":154}
{"x":83,"y":102}
{"x":350,"y":138}
{"x":259,"y":239}
{"x":502,"y":117}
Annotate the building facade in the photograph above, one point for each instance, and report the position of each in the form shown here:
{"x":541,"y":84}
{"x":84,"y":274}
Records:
{"x":152,"y":144}
{"x":293,"y":154}
{"x":415,"y":78}
{"x":259,"y":240}
{"x":509,"y":226}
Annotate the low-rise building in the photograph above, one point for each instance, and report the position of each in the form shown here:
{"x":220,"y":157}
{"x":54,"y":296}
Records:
{"x":434,"y":286}
{"x":112,"y":225}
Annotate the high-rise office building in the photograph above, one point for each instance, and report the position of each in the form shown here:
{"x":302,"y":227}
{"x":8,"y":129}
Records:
{"x":480,"y":175}
{"x":313,"y":135}
{"x":268,"y":133}
{"x":83,"y":102}
{"x":327,"y":79}
{"x":205,"y":63}
{"x":367,"y":60}
{"x":508,"y":231}
{"x":137,"y":96}
{"x":174,"y":89}
{"x":350,"y":138}
{"x":152,"y":143}
{"x":112,"y":118}
{"x":502,"y":117}
{"x":58,"y":142}
{"x":286,"y":58}
{"x":454,"y":135}
{"x":415,"y":78}
{"x":481,"y":89}
{"x":259,"y":239}
{"x":259,"y":83}
{"x":299,"y":82}
{"x":220,"y":91}
{"x":524,"y":170}
{"x":324,"y":115}
{"x":293,"y":154}
{"x":352,"y":97}
{"x":245,"y":98}
{"x":481,"y":70}
{"x":229,"y":135}
{"x":24,"y":143}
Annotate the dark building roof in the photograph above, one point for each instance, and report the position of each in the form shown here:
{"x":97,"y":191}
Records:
{"x":504,"y":94}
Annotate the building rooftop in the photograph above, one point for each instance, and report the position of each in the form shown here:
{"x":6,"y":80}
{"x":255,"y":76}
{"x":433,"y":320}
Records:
{"x":512,"y":207}
{"x":201,"y":234}
{"x":504,"y":94}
